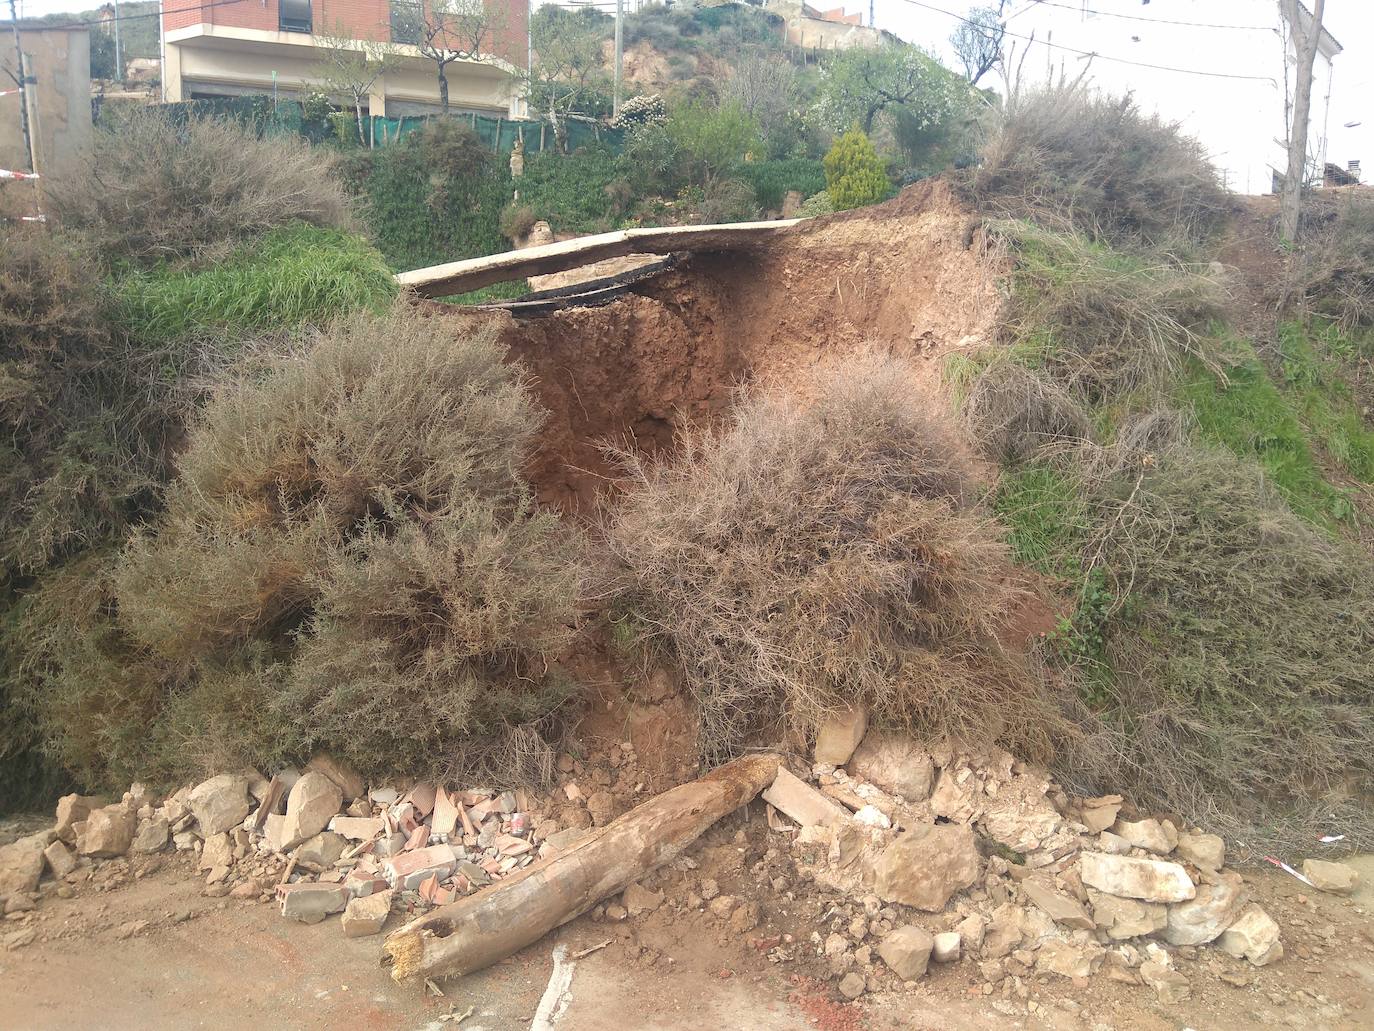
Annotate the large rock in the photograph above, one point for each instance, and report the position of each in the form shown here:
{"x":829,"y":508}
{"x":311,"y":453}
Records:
{"x":1202,"y":918}
{"x":1061,"y":908}
{"x":1021,"y":827}
{"x":1205,"y":851}
{"x":926,"y":865}
{"x":1151,"y":880}
{"x":108,"y":832}
{"x":1127,"y":918}
{"x":1170,"y":986}
{"x":60,"y":860}
{"x":894,"y":763}
{"x":799,"y":801}
{"x":313,"y":802}
{"x":321,"y":852}
{"x":1254,"y":936}
{"x":907,"y":951}
{"x":1333,"y":877}
{"x":152,"y":835}
{"x":1151,"y":835}
{"x":1005,"y":929}
{"x":72,"y":809}
{"x":1100,"y":813}
{"x":220,"y":803}
{"x":349,"y":780}
{"x":21,"y":867}
{"x":366,"y":914}
{"x":840,"y":734}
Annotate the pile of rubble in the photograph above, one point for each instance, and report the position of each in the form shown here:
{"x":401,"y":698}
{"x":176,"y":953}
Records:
{"x":948,"y":854}
{"x":318,"y":842}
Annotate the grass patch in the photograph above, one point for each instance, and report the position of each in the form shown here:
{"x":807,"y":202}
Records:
{"x":1249,"y":416}
{"x":572,"y":192}
{"x":1322,"y":397}
{"x":288,"y":278}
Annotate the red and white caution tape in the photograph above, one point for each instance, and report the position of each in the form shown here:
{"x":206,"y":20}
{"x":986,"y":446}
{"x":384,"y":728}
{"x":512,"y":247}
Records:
{"x":7,"y":92}
{"x":5,"y":173}
{"x":1288,"y":869}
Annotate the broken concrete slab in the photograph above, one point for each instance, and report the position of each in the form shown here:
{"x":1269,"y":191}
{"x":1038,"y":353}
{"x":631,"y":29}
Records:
{"x":310,"y":902}
{"x":408,"y":869}
{"x":366,"y":915}
{"x":840,"y":734}
{"x":926,"y":865}
{"x":907,"y":951}
{"x":356,"y":828}
{"x":1150,"y":880}
{"x":895,"y":763}
{"x":802,"y":803}
{"x":220,"y":803}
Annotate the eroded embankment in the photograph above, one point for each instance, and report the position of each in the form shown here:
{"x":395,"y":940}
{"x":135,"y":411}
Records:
{"x":911,"y":278}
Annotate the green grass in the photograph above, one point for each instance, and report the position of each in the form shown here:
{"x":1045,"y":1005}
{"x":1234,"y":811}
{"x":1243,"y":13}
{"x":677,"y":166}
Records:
{"x":572,"y":192}
{"x":1046,"y":516}
{"x":290,"y":277}
{"x":1252,"y":418}
{"x":1322,"y":397}
{"x":511,"y":291}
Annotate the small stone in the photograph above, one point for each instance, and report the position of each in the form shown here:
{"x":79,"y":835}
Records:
{"x":926,"y":865}
{"x":947,"y":947}
{"x":601,"y":806}
{"x":246,"y":890}
{"x":60,"y":859}
{"x":310,"y":902}
{"x":1336,"y":878}
{"x":907,"y":951}
{"x":1254,"y":936}
{"x":1059,"y":907}
{"x":1004,"y":930}
{"x":18,"y":939}
{"x":872,"y":816}
{"x":1151,"y":835}
{"x":1100,"y":813}
{"x":1068,"y":960}
{"x":895,"y":763}
{"x":1205,"y":851}
{"x":321,"y":852}
{"x":1149,"y":879}
{"x":615,"y":911}
{"x":366,"y":915}
{"x":220,"y":803}
{"x":709,"y":889}
{"x":218,"y":851}
{"x":840,"y":734}
{"x":970,"y":931}
{"x":638,"y":899}
{"x":349,"y":781}
{"x":852,"y":985}
{"x":1126,"y":918}
{"x":722,"y":906}
{"x":802,"y":803}
{"x":1171,"y":986}
{"x":1112,"y":844}
{"x":108,"y":832}
{"x":19,"y":902}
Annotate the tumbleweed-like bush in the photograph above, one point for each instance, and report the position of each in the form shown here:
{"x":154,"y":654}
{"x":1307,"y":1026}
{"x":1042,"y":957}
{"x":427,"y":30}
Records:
{"x":813,"y":554}
{"x":349,"y":546}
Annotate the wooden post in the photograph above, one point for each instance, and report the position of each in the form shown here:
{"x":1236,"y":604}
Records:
{"x":477,"y":931}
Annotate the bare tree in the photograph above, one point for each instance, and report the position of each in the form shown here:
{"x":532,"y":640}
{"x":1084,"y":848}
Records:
{"x":352,"y":67}
{"x":569,"y":62}
{"x":978,"y":41}
{"x":455,"y":30}
{"x":1305,"y":39}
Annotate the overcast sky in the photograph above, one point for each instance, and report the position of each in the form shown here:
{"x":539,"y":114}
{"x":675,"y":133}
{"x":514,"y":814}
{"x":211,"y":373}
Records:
{"x":1237,"y":119}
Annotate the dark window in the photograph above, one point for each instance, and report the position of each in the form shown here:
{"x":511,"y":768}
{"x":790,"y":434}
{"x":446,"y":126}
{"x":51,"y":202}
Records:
{"x":294,"y":15}
{"x":406,"y":21}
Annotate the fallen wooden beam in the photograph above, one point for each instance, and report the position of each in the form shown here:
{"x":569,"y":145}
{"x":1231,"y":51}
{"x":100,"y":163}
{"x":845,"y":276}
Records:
{"x":457,"y":277}
{"x":475,"y":932}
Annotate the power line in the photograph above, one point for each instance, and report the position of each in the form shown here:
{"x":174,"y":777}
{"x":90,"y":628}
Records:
{"x":1094,"y":54}
{"x":96,"y":23}
{"x":1157,"y":21}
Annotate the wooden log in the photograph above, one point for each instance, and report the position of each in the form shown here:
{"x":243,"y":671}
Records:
{"x":475,"y":932}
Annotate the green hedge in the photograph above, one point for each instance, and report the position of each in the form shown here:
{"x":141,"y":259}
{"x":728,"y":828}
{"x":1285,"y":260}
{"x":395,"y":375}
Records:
{"x":573,"y":192}
{"x":772,"y":179}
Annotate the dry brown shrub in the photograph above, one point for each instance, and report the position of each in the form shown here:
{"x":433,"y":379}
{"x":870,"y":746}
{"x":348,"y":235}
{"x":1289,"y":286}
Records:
{"x":812,"y":555}
{"x":1070,"y":156}
{"x":152,"y":187}
{"x":1014,"y":413}
{"x":1333,"y":275}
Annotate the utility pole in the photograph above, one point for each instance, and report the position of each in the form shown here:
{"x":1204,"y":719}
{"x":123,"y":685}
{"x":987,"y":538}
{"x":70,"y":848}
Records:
{"x":119,"y":59}
{"x":872,"y":21}
{"x":619,"y":53}
{"x":23,"y":85}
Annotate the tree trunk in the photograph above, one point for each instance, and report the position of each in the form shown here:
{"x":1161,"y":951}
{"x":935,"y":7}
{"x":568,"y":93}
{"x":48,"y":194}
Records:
{"x":1305,"y":53}
{"x":358,"y":110}
{"x":443,"y":90}
{"x":477,"y":931}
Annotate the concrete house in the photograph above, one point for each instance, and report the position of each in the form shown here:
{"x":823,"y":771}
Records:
{"x":243,"y":47}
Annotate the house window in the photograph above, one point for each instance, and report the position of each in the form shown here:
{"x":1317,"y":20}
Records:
{"x":406,"y":21}
{"x":294,"y":15}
